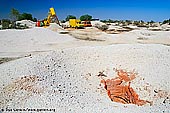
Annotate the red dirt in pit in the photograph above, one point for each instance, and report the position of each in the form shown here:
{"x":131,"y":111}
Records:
{"x":119,"y":90}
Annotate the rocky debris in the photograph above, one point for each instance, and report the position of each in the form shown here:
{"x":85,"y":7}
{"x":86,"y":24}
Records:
{"x":55,"y":27}
{"x":25,"y":86}
{"x":69,"y":82}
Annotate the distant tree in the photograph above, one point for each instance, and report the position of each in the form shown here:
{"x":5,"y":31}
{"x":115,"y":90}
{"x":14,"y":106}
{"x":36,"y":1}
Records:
{"x":123,"y":23}
{"x":116,"y":21}
{"x":107,"y":21}
{"x":137,"y":23}
{"x":14,"y":14}
{"x":128,"y":22}
{"x":70,"y":17}
{"x":104,"y":21}
{"x":152,"y":22}
{"x":25,"y":16}
{"x":166,"y":21}
{"x":141,"y":21}
{"x":85,"y":17}
{"x":5,"y":23}
{"x":63,"y":21}
{"x":34,"y":20}
{"x":110,"y":21}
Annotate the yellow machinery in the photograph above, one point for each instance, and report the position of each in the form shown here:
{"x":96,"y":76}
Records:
{"x":75,"y":23}
{"x":52,"y":17}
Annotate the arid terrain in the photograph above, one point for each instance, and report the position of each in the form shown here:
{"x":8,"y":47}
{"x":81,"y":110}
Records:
{"x":58,"y":68}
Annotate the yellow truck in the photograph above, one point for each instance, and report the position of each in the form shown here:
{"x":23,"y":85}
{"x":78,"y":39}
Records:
{"x":75,"y":23}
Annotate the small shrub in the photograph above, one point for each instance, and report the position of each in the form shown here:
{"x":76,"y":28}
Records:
{"x":103,"y":27}
{"x":70,"y":17}
{"x":63,"y":21}
{"x":85,"y":17}
{"x":5,"y":23}
{"x":12,"y":25}
{"x":97,"y":25}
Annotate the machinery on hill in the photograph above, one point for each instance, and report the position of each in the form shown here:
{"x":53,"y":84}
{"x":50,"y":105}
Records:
{"x":51,"y":18}
{"x":87,"y":23}
{"x":74,"y":23}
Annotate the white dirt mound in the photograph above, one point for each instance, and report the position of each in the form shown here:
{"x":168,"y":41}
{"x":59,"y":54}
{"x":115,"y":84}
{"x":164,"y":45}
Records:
{"x":94,"y":23}
{"x":22,"y":42}
{"x":67,"y":80}
{"x":28,"y":23}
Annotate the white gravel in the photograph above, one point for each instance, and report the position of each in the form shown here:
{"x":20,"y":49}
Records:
{"x":19,"y":42}
{"x":70,"y":83}
{"x":143,"y":36}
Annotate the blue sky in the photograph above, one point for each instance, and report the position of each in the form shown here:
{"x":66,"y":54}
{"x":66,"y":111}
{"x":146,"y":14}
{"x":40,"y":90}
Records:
{"x":146,"y":10}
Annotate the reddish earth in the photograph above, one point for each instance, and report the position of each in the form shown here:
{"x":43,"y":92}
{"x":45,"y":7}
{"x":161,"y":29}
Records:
{"x":119,"y":89}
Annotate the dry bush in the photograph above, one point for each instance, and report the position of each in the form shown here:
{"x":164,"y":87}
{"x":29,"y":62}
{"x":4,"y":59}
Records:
{"x":102,"y":27}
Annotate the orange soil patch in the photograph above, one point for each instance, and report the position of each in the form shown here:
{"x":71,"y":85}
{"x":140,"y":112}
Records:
{"x":24,"y":86}
{"x":119,"y":90}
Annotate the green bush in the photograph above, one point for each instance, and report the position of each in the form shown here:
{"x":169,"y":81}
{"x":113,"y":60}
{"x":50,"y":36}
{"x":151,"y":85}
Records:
{"x":97,"y":25}
{"x":25,"y":16}
{"x":15,"y":16}
{"x":107,"y":21}
{"x":103,"y":27}
{"x":85,"y":17}
{"x":166,"y":21}
{"x":104,"y":21}
{"x":70,"y":17}
{"x":63,"y":21}
{"x":13,"y":25}
{"x":5,"y":23}
{"x":34,"y":20}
